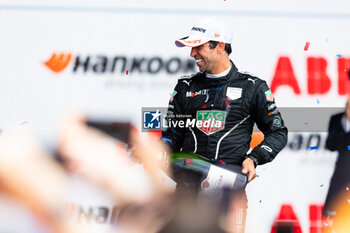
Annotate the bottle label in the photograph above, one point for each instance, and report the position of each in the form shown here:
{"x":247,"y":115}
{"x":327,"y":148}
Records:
{"x":217,"y":179}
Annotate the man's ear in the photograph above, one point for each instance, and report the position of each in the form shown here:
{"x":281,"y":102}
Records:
{"x":220,"y":47}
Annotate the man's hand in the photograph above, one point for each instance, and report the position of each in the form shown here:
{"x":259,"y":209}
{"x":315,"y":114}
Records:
{"x":249,"y":168}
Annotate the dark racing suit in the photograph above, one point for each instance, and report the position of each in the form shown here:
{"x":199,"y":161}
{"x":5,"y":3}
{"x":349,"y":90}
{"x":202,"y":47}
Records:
{"x":233,"y":103}
{"x":237,"y":101}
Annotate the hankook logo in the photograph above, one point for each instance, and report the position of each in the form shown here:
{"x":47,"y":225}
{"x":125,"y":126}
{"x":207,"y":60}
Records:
{"x":58,"y":62}
{"x":101,"y":64}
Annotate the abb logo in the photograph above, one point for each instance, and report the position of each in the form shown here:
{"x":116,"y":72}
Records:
{"x":318,"y":82}
{"x":58,"y":62}
{"x":287,"y":220}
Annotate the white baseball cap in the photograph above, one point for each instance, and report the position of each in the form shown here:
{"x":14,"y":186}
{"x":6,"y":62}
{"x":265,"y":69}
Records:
{"x":205,"y":30}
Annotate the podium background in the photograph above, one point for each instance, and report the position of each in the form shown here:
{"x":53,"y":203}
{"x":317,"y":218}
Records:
{"x":143,"y":31}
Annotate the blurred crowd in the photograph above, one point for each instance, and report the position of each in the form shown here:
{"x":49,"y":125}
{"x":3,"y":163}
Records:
{"x":34,"y":183}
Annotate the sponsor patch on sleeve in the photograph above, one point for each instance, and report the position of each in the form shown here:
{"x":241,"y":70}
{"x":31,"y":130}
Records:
{"x":172,"y":96}
{"x":272,"y":106}
{"x":277,"y":121}
{"x":269,"y":95}
{"x":267,"y":148}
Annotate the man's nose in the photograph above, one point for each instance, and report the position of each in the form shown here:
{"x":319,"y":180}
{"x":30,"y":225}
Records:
{"x":193,"y":52}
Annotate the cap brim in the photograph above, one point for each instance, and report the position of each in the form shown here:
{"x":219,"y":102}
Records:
{"x":190,"y":42}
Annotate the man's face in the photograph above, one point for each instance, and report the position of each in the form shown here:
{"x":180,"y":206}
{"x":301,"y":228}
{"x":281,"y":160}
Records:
{"x":206,"y":58}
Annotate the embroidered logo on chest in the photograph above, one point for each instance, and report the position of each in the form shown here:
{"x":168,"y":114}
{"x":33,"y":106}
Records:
{"x":234,"y":93}
{"x":210,"y":122}
{"x":195,"y":93}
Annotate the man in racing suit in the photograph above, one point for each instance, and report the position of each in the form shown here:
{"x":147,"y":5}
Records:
{"x":230,"y":101}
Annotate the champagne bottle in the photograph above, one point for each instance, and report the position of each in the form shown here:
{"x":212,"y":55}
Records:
{"x":197,"y":172}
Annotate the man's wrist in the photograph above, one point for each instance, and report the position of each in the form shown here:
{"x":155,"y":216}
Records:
{"x":255,"y":160}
